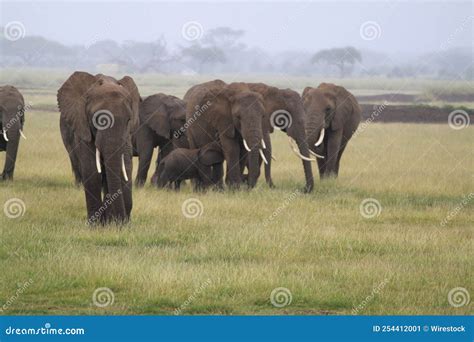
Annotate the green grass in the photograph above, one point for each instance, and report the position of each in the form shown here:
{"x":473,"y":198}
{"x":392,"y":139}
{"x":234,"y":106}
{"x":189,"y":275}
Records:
{"x":247,"y":243}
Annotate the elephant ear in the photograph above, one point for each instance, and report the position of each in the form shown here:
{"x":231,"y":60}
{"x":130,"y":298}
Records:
{"x":154,"y":113}
{"x":345,"y":105}
{"x":222,"y":112}
{"x":305,"y":92}
{"x":72,"y":98}
{"x":134,"y":99}
{"x":176,"y":112}
{"x":211,"y":154}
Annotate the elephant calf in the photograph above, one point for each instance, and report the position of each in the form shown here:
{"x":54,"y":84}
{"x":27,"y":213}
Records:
{"x":12,"y":119}
{"x":182,"y":164}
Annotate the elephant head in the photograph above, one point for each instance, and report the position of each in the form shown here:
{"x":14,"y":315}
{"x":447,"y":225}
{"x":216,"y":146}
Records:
{"x":326,"y":108}
{"x":102,"y":113}
{"x":12,"y":109}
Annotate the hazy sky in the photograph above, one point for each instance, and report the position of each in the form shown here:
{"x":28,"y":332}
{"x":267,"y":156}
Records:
{"x":398,"y":27}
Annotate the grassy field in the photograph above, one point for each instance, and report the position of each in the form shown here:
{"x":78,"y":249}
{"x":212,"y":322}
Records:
{"x":322,"y":247}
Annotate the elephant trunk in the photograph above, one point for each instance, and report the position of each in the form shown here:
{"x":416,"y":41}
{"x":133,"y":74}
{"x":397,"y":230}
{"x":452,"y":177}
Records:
{"x":13,"y":140}
{"x":114,"y":197}
{"x":298,"y":133}
{"x":253,"y":142}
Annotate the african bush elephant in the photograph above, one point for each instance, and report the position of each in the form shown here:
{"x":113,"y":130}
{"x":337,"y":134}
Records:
{"x":232,"y":115}
{"x":284,"y":111}
{"x":98,"y":114}
{"x":162,"y":118}
{"x":182,"y":164}
{"x":332,"y":116}
{"x":12,"y":119}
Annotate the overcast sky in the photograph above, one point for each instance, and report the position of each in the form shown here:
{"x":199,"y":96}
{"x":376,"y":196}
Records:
{"x":398,"y":27}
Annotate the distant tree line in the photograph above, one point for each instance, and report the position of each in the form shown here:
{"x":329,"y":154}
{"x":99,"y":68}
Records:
{"x":221,"y":50}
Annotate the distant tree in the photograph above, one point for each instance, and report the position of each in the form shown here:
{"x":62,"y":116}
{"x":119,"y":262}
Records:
{"x":203,"y":55}
{"x":143,"y":57}
{"x":339,"y":57}
{"x":224,"y":38}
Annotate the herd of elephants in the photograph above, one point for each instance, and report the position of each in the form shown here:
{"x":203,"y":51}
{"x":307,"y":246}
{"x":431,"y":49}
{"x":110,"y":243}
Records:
{"x":104,"y":123}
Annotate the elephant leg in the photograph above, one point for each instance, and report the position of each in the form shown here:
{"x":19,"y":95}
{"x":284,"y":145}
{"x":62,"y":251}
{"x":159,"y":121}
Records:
{"x":92,"y":182}
{"x":231,"y":149}
{"x":11,"y":154}
{"x":218,"y":175}
{"x":332,"y":156}
{"x":164,"y":150}
{"x":145,"y":147}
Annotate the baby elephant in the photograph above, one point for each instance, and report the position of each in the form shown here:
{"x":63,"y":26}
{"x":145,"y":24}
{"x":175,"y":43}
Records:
{"x":183,"y":163}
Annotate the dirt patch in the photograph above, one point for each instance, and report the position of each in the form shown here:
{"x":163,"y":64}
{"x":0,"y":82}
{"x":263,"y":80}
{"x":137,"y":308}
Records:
{"x":408,"y":113}
{"x":387,"y":97}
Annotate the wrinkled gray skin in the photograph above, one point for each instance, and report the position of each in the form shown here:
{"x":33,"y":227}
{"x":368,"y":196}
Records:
{"x":12,"y":119}
{"x":108,"y":194}
{"x":182,"y":164}
{"x":161,"y":119}
{"x":275,"y":101}
{"x":226,"y":113}
{"x":334,"y":108}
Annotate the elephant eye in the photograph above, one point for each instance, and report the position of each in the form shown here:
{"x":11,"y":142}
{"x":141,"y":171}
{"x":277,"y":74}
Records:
{"x":328,"y":109}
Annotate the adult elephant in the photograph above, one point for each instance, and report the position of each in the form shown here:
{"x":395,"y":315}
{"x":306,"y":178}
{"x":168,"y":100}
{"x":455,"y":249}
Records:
{"x":232,"y":115}
{"x":12,"y":119}
{"x":98,"y":114}
{"x":284,"y":111}
{"x":162,"y":118}
{"x":332,"y":117}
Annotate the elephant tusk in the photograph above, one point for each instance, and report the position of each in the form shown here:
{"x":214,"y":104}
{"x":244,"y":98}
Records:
{"x":263,"y":144}
{"x":22,"y":134}
{"x":5,"y":135}
{"x":321,"y":137}
{"x":124,"y":171}
{"x":263,"y":157}
{"x":274,"y":158}
{"x":316,"y":155}
{"x":295,"y":150}
{"x":97,"y":160}
{"x":246,"y":146}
